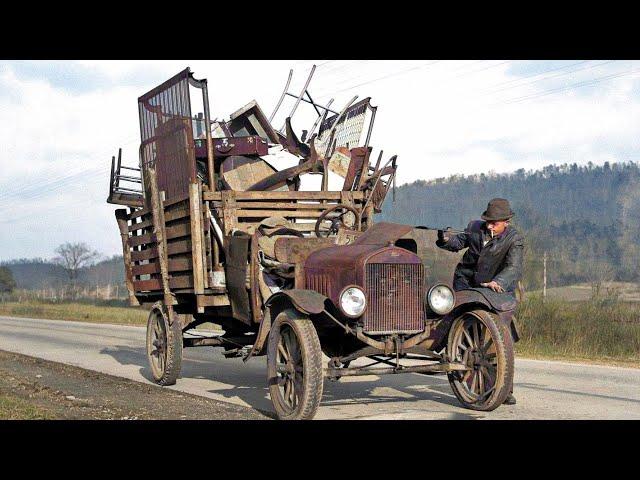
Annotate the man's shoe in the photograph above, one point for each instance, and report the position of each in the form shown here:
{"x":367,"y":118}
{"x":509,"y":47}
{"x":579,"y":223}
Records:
{"x":510,"y":400}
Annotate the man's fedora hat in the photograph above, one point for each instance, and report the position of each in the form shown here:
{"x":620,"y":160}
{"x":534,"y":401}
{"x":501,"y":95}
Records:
{"x":497,"y":209}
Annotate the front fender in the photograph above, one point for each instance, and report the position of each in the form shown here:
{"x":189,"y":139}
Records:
{"x":308,"y":302}
{"x":467,"y":300}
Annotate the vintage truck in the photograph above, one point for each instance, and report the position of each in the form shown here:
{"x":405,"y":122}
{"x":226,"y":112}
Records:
{"x":220,"y":229}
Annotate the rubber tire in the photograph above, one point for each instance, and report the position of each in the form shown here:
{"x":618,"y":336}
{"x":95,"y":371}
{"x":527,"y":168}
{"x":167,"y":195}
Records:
{"x":313,"y":379}
{"x":504,"y":353}
{"x":173,"y":363}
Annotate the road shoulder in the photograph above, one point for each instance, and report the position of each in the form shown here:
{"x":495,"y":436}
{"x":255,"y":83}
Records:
{"x":32,"y":388}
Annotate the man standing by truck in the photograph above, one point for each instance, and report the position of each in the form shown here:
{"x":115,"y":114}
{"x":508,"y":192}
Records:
{"x":492,"y":263}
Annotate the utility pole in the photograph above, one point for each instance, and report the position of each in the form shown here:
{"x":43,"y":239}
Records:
{"x":544,"y":276}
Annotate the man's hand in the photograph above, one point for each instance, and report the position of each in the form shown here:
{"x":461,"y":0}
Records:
{"x":493,"y":285}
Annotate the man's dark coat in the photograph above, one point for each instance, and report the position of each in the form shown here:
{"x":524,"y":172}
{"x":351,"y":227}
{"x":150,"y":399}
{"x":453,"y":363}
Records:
{"x":499,"y":259}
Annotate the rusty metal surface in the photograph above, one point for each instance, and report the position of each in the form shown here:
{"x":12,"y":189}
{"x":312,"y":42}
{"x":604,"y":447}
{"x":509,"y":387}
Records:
{"x":383,"y":233}
{"x":237,"y":251}
{"x":431,"y":368}
{"x":227,"y":146}
{"x":393,"y":280}
{"x":498,"y":302}
{"x":296,"y":250}
{"x":166,"y":133}
{"x":307,"y":301}
{"x":396,"y":297}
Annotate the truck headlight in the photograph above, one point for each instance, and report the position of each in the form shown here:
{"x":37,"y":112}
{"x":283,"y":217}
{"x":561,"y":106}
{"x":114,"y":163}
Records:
{"x":441,"y":299}
{"x":352,"y":301}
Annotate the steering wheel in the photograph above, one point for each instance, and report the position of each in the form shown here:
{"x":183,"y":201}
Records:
{"x":337,"y":220}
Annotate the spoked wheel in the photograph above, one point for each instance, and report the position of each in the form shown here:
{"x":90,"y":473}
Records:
{"x":477,"y":340}
{"x":294,"y":367}
{"x":164,"y":346}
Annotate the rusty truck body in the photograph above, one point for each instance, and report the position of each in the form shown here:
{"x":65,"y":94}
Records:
{"x":218,"y":229}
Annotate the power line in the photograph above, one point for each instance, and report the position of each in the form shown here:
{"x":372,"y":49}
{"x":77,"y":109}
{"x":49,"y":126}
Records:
{"x":571,"y":87}
{"x":519,"y":79}
{"x":381,"y":78}
{"x":561,"y":74}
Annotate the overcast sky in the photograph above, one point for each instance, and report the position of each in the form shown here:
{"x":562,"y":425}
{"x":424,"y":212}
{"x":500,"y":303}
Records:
{"x":62,"y":121}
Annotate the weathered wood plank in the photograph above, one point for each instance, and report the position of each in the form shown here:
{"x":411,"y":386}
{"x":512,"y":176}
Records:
{"x":177,"y":231}
{"x":174,"y":201}
{"x":159,"y":231}
{"x":176,"y":247}
{"x":301,"y":227}
{"x":147,"y":238}
{"x":184,"y":281}
{"x":148,"y":254}
{"x":139,"y":213}
{"x":278,"y":213}
{"x":281,"y":195}
{"x":196,"y":239}
{"x":139,"y":226}
{"x":176,"y":214}
{"x":180,"y":264}
{"x":121,"y":217}
{"x":145,"y":269}
{"x":153,"y":284}
{"x":286,"y":205}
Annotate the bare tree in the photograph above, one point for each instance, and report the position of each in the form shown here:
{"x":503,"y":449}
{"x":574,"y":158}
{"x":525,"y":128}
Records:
{"x":73,"y":256}
{"x":599,"y":272}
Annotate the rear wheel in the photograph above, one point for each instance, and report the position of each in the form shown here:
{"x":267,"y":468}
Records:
{"x":164,"y":345}
{"x":294,"y":367}
{"x":480,"y":341}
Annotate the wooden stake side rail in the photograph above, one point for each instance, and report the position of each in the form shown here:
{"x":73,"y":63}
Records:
{"x":272,"y":196}
{"x":144,"y":262}
{"x":245,"y":210}
{"x":240,"y":213}
{"x":190,"y":260}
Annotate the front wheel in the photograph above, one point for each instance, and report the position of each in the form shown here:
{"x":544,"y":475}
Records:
{"x":294,"y":367}
{"x":485,"y":346}
{"x":164,"y":345}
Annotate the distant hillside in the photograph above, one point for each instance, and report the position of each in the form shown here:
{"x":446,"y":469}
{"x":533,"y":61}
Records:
{"x":586,"y":217}
{"x":39,"y":273}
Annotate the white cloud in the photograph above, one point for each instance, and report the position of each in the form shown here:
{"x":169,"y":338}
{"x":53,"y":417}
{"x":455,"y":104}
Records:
{"x":441,"y":118}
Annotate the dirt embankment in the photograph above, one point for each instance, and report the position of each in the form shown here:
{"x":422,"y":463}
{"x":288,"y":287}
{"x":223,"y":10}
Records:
{"x":31,"y":388}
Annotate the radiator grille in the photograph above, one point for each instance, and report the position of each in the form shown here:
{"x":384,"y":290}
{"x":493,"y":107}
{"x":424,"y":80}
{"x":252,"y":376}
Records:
{"x":395,"y":294}
{"x":320,"y":283}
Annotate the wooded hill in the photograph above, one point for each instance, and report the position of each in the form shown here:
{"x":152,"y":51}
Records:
{"x":586,"y":217}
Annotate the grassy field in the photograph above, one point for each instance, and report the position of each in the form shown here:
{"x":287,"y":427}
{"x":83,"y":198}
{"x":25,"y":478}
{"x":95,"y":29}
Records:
{"x":583,"y":292}
{"x":606,"y":331}
{"x":82,"y":312}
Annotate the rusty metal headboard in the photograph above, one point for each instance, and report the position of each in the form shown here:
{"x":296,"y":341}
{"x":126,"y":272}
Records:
{"x":166,"y":132}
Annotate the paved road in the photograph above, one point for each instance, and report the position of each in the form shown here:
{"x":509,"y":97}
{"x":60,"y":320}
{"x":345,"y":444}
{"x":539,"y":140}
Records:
{"x":545,"y":390}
